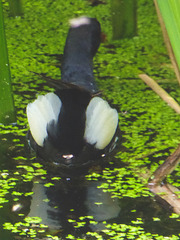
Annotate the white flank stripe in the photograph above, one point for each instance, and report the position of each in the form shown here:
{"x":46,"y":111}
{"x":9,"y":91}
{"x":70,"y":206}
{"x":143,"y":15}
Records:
{"x":101,"y":123}
{"x":41,"y":112}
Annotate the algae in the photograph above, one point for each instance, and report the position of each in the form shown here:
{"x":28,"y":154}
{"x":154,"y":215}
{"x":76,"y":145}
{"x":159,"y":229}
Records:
{"x":149,"y":128}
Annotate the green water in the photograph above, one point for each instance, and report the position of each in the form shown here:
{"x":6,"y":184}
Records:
{"x":149,"y":130}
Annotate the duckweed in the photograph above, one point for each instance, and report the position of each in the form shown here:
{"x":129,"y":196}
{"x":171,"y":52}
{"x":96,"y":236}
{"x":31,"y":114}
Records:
{"x":149,"y":128}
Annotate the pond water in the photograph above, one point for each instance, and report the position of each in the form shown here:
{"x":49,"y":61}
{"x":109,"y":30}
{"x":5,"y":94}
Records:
{"x":108,"y":200}
{"x":74,"y":203}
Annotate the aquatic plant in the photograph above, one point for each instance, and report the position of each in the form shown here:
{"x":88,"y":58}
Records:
{"x":124,"y":18}
{"x":7,"y":111}
{"x":15,"y":7}
{"x":150,"y":129}
{"x":170,"y":23}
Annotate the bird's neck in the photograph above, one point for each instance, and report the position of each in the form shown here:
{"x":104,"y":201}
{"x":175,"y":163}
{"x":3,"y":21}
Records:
{"x":77,"y":68}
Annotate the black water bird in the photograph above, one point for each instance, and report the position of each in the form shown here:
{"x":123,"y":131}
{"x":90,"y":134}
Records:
{"x":74,"y":125}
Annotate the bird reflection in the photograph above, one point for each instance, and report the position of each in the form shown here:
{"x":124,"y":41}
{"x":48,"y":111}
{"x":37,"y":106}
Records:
{"x":70,"y":199}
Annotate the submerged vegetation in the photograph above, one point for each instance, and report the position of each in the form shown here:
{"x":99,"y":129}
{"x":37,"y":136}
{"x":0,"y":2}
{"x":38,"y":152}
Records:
{"x":149,"y":128}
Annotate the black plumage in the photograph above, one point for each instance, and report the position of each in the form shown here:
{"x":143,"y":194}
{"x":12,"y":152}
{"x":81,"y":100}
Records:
{"x":74,"y":126}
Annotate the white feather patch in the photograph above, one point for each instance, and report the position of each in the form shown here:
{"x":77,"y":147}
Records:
{"x":77,"y":22}
{"x":41,"y":112}
{"x":101,"y":123}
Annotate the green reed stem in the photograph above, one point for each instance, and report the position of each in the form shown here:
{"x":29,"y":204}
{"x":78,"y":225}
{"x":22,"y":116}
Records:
{"x":124,"y":18}
{"x":7,"y":112}
{"x":15,"y":8}
{"x":170,"y":11}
